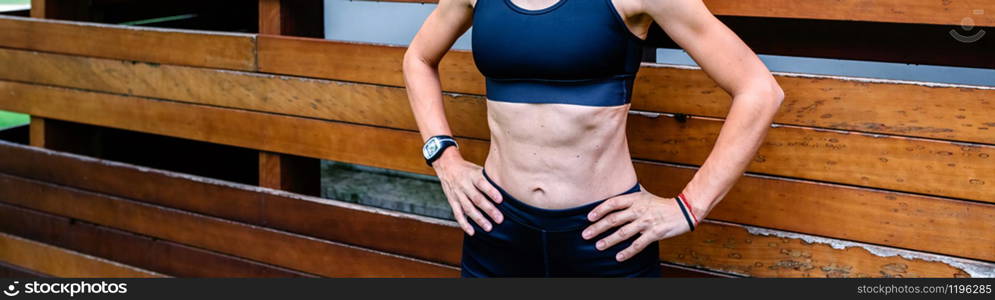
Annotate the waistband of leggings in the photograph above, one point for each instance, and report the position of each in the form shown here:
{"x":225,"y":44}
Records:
{"x":577,"y":211}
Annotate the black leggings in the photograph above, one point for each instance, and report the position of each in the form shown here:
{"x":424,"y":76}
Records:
{"x":537,"y":242}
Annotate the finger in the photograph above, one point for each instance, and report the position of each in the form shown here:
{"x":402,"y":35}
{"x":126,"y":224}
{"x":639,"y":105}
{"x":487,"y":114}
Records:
{"x":473,"y":213}
{"x":637,"y":246}
{"x":612,"y":220}
{"x":483,"y":185}
{"x":624,"y":233}
{"x":614,"y":203}
{"x":457,"y":210}
{"x":484,"y":204}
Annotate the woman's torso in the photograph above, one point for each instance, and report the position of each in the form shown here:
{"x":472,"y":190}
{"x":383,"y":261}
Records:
{"x":566,"y":146}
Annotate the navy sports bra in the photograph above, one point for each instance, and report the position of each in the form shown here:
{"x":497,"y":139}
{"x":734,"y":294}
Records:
{"x":573,"y":52}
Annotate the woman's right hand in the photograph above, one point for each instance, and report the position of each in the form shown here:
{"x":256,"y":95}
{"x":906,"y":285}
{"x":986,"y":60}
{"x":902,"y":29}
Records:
{"x":465,"y":186}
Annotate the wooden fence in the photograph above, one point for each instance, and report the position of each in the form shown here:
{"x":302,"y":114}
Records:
{"x":858,"y":177}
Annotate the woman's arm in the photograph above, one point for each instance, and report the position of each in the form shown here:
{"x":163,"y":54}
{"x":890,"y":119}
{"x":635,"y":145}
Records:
{"x":756,"y":98}
{"x":462,"y":181}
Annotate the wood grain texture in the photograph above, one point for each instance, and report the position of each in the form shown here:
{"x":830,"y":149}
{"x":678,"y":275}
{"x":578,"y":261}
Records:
{"x":902,"y":220}
{"x":795,"y":150}
{"x":906,"y":164}
{"x":291,"y":173}
{"x":733,"y":248}
{"x":14,"y":271}
{"x":949,"y":12}
{"x":877,"y":106}
{"x":257,"y":243}
{"x":182,"y":47}
{"x":144,"y":252}
{"x":888,"y":218}
{"x":916,"y":165}
{"x":379,"y":229}
{"x":269,"y":16}
{"x":261,"y":131}
{"x":37,"y":132}
{"x":906,"y":11}
{"x":897,"y":108}
{"x":322,"y":218}
{"x":900,"y":108}
{"x":60,"y":262}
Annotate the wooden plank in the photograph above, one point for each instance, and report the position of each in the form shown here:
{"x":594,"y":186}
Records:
{"x":181,"y":47}
{"x":905,"y":164}
{"x":323,"y":99}
{"x":949,"y":12}
{"x":762,"y":253}
{"x":322,"y":218}
{"x":888,"y":218}
{"x":798,"y":152}
{"x":924,"y":44}
{"x":14,"y":271}
{"x":60,"y":9}
{"x":64,"y":136}
{"x":366,"y":63}
{"x":907,"y":109}
{"x":269,"y":17}
{"x":37,"y":132}
{"x":898,"y":163}
{"x":268,"y":132}
{"x":140,"y":251}
{"x":907,"y":11}
{"x":257,"y":243}
{"x":896,"y":107}
{"x":292,"y":173}
{"x":61,"y":262}
{"x":903,"y":220}
{"x":379,"y":229}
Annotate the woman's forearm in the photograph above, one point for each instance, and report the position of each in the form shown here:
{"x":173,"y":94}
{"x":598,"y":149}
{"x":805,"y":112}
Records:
{"x":742,"y":133}
{"x":421,"y":79}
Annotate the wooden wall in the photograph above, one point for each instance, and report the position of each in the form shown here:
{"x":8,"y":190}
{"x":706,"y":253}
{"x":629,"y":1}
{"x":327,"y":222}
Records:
{"x":857,"y":178}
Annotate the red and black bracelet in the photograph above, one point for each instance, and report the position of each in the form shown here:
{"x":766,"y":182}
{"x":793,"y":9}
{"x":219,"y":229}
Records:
{"x":686,"y":209}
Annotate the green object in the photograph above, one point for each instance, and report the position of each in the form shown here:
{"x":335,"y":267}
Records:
{"x":9,"y":119}
{"x":15,"y":1}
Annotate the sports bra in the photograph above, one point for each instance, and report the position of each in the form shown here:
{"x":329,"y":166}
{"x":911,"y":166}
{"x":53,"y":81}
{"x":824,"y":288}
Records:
{"x":572,"y":52}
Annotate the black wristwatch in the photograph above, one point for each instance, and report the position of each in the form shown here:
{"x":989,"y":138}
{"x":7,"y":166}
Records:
{"x":434,"y":147}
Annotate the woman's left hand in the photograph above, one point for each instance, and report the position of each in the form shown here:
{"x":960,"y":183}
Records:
{"x":653,"y":218}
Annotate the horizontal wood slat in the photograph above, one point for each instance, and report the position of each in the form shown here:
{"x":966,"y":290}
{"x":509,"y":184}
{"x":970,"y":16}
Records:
{"x":160,"y":256}
{"x":952,"y":169}
{"x":14,"y":271}
{"x":426,"y":238}
{"x":904,"y":164}
{"x":942,"y":111}
{"x":839,"y":103}
{"x":60,"y":262}
{"x":257,"y":243}
{"x":171,"y":46}
{"x":312,"y":216}
{"x":909,"y":221}
{"x":948,"y":12}
{"x":887,"y":218}
{"x":323,"y":139}
{"x":261,"y":131}
{"x":734,"y":249}
{"x":361,"y":224}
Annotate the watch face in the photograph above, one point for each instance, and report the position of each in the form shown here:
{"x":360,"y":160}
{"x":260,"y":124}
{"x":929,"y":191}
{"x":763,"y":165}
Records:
{"x":430,"y":148}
